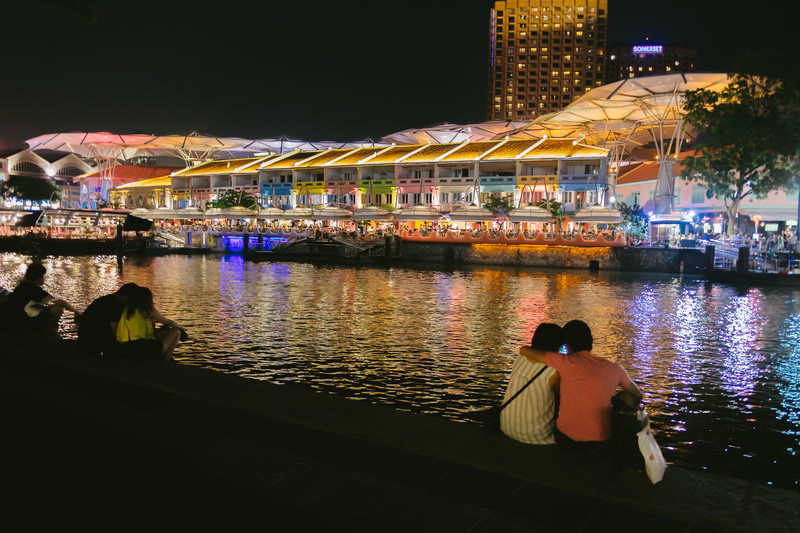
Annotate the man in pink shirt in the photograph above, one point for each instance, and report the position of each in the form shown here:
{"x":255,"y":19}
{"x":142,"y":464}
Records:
{"x":588,"y":383}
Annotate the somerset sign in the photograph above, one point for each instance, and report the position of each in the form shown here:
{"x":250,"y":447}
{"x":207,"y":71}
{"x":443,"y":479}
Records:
{"x":648,"y":49}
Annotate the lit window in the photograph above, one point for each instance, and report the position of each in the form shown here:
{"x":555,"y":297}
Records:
{"x":640,"y":69}
{"x":650,"y":69}
{"x":521,"y":66}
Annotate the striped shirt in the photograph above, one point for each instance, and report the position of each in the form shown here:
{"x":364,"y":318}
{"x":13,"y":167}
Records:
{"x":530,"y":418}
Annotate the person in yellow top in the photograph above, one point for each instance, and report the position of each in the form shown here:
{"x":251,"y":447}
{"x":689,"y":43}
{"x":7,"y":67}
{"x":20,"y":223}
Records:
{"x":136,"y":331}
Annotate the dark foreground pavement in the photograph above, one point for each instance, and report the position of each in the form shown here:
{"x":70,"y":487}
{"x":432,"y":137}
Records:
{"x":135,"y":446}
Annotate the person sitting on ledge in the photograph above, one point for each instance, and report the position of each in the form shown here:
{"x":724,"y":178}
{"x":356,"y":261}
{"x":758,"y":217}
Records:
{"x":588,"y":383}
{"x":31,"y":309}
{"x":531,"y":416}
{"x":136,"y":332}
{"x":96,"y":333}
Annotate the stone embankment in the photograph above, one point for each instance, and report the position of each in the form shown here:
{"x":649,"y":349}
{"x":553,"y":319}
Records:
{"x":127,"y":445}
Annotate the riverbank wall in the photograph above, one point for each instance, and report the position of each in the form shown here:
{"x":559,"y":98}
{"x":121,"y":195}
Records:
{"x":667,"y":260}
{"x":133,"y":445}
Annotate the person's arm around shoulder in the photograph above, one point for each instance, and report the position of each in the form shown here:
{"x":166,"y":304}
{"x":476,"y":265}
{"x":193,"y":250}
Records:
{"x":534,"y":355}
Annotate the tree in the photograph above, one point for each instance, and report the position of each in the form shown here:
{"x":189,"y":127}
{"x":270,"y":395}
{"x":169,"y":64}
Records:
{"x":748,"y":142}
{"x":232,"y":198}
{"x":633,"y":222}
{"x":555,"y":206}
{"x":35,"y":190}
{"x":499,"y":206}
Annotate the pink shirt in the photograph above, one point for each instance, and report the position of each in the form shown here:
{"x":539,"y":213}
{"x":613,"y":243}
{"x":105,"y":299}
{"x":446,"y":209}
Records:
{"x":588,"y":383}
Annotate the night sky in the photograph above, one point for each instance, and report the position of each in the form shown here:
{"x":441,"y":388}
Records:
{"x":313,"y":70}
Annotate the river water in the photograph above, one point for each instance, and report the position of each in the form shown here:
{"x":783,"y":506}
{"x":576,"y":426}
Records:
{"x":719,"y":366}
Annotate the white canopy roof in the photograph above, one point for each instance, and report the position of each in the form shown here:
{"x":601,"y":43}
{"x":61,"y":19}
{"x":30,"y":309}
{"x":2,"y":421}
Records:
{"x":418,"y":212}
{"x":530,"y":213}
{"x":596,"y":214}
{"x":371,"y":212}
{"x":472,"y":213}
{"x":623,"y":110}
{"x":454,"y":133}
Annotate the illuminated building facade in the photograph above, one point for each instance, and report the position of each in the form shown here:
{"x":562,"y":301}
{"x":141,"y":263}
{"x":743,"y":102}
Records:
{"x":647,"y":59}
{"x":543,"y":55}
{"x":440,"y":175}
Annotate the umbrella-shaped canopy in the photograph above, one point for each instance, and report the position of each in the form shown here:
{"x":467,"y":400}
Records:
{"x":597,"y":214}
{"x":332,"y":213}
{"x":530,"y":213}
{"x":140,"y":212}
{"x":85,"y":143}
{"x":418,"y":212}
{"x":623,"y":110}
{"x":299,"y":213}
{"x":453,"y":133}
{"x":472,"y":213}
{"x":371,"y":212}
{"x":237,"y":211}
{"x":188,"y":212}
{"x":272,"y":213}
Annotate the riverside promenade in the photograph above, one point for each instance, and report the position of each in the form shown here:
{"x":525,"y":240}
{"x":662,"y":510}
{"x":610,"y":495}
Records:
{"x":123,"y":445}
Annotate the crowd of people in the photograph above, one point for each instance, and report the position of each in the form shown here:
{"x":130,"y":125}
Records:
{"x":118,"y":324}
{"x":570,"y":403}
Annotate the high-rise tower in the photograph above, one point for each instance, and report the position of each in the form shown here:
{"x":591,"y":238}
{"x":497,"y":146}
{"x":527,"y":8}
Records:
{"x":544,"y":54}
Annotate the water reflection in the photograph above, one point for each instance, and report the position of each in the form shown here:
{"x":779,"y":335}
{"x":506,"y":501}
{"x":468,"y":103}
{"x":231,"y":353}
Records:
{"x":718,"y":366}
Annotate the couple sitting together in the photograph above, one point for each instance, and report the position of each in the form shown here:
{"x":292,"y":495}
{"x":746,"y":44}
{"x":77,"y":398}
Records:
{"x":569,"y":404}
{"x":123,"y":323}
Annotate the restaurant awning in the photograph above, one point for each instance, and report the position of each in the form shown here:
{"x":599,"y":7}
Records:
{"x":472,"y":213}
{"x":597,"y":214}
{"x":530,"y":213}
{"x":372,"y":212}
{"x":418,"y":212}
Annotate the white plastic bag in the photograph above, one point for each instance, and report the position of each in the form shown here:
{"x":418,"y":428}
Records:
{"x":653,"y":459}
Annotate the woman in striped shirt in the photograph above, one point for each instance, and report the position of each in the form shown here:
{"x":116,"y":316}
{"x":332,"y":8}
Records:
{"x":531,"y":416}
